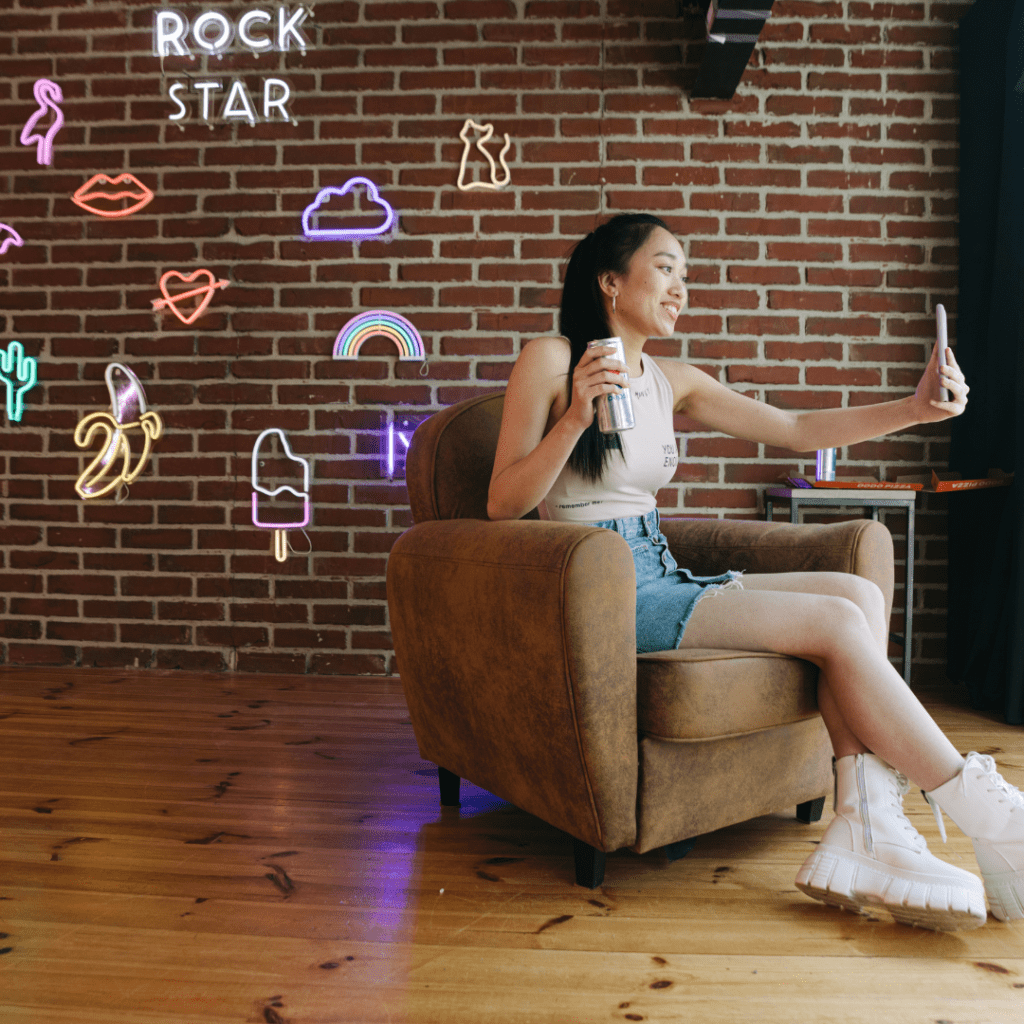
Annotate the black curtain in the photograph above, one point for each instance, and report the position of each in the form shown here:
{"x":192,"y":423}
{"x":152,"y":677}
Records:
{"x":986,"y":547}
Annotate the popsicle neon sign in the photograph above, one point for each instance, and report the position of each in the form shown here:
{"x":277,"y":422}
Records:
{"x":127,"y":412}
{"x":280,"y":529}
{"x":214,"y":33}
{"x":379,"y":322}
{"x":18,"y":372}
{"x":341,"y":234}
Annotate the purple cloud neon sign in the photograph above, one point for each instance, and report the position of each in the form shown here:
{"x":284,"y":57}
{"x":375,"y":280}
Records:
{"x":48,"y":95}
{"x":346,"y":234}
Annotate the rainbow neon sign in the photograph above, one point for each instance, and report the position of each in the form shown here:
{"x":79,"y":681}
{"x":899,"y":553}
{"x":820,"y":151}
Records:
{"x":347,"y":234}
{"x":379,"y":322}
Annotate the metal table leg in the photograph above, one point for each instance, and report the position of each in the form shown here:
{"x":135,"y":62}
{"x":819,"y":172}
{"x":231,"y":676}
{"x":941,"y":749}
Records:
{"x":908,"y":598}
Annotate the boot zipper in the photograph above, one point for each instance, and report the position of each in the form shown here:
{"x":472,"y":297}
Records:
{"x":862,"y":792}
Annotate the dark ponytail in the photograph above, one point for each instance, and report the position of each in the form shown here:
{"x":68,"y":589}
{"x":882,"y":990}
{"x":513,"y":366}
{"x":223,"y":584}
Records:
{"x":582,"y":317}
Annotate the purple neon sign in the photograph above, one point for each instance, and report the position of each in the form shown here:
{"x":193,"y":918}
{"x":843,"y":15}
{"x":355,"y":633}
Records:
{"x":341,"y":234}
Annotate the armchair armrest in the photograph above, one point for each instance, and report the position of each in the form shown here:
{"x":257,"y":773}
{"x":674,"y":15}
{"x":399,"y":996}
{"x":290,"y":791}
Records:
{"x":711,"y":546}
{"x":517,"y":650}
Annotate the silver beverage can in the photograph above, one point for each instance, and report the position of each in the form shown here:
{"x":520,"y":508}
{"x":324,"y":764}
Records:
{"x":614,"y":411}
{"x":826,"y":467}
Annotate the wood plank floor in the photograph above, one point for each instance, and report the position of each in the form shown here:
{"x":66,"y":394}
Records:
{"x":215,"y":849}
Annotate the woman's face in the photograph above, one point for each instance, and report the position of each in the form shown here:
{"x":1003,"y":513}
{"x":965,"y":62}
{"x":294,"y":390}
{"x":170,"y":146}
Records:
{"x":652,"y":293}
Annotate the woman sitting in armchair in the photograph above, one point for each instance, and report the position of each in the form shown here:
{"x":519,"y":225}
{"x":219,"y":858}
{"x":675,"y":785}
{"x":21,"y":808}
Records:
{"x":628,"y":279}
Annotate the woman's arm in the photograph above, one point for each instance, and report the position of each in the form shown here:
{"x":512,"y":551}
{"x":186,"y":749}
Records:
{"x":719,"y":407}
{"x":528,"y":460}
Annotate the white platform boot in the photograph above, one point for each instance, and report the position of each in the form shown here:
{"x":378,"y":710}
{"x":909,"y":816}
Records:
{"x":991,"y":812}
{"x":871,"y":856}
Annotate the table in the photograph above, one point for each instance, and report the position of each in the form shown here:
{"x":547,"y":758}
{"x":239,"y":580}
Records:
{"x":835,"y":497}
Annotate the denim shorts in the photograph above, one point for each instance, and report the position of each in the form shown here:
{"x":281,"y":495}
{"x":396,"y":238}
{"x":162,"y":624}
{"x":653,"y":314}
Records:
{"x":665,"y":594}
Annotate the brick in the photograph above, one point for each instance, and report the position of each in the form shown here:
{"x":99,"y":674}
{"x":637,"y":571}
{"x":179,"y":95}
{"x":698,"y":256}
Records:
{"x":824,"y":301}
{"x":763,"y":325}
{"x":763,"y":374}
{"x":834,"y":376}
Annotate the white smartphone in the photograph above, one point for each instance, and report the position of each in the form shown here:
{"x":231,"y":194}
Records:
{"x":940,"y":338}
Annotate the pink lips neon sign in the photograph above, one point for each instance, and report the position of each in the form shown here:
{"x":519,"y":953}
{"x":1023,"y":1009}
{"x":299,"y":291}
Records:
{"x":101,"y":194}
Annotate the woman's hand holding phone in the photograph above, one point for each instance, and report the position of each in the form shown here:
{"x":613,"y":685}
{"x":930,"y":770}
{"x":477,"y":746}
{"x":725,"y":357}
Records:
{"x":942,"y":391}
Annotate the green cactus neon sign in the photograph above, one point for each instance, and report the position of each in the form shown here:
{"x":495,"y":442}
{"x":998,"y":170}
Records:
{"x":18,"y":372}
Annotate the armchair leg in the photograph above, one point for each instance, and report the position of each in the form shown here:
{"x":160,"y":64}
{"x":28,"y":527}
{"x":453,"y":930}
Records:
{"x":676,"y":851}
{"x":449,"y":783}
{"x":589,"y":864}
{"x":810,"y":811}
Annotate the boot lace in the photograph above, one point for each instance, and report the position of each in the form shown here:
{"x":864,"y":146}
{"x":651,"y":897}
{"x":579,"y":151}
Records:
{"x":996,"y":783}
{"x":986,"y":765}
{"x":900,"y":786}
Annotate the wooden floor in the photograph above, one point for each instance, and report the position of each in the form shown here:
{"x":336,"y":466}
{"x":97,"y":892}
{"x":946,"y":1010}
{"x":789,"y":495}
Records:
{"x":225,"y":848}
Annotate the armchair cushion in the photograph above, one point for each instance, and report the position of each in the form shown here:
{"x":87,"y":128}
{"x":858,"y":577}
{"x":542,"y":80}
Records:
{"x":695,"y":693}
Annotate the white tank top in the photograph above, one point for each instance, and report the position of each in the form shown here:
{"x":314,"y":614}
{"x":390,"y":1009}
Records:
{"x":633,"y":476}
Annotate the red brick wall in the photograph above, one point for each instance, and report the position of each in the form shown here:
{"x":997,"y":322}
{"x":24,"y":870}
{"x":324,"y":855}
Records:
{"x":818,"y":209}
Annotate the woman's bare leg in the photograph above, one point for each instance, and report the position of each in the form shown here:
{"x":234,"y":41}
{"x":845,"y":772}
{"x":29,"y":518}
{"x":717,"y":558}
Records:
{"x":864,"y":702}
{"x":862,"y":593}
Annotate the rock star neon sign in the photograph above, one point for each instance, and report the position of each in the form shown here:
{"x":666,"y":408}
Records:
{"x":214,"y":33}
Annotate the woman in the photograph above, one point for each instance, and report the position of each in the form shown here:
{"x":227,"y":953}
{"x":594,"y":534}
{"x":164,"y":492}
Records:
{"x":628,"y":279}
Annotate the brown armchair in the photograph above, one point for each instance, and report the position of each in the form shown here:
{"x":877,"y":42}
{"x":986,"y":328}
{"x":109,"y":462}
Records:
{"x":516,"y":648}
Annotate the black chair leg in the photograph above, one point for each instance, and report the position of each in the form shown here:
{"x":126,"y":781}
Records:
{"x":449,"y":783}
{"x":589,"y":864}
{"x":810,"y":811}
{"x":676,"y":851}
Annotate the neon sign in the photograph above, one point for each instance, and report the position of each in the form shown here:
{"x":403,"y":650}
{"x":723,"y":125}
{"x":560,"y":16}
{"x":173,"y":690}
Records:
{"x":206,"y":290}
{"x":48,"y":95}
{"x":343,"y":234}
{"x":127,"y":413}
{"x":13,"y":238}
{"x":487,"y":131}
{"x":280,"y":529}
{"x":214,"y":33}
{"x":18,"y":372}
{"x":95,"y":198}
{"x":379,"y":322}
{"x":395,"y":437}
{"x":238,"y":105}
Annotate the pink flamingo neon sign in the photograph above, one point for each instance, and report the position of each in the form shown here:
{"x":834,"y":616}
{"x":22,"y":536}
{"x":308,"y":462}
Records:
{"x":48,"y":94}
